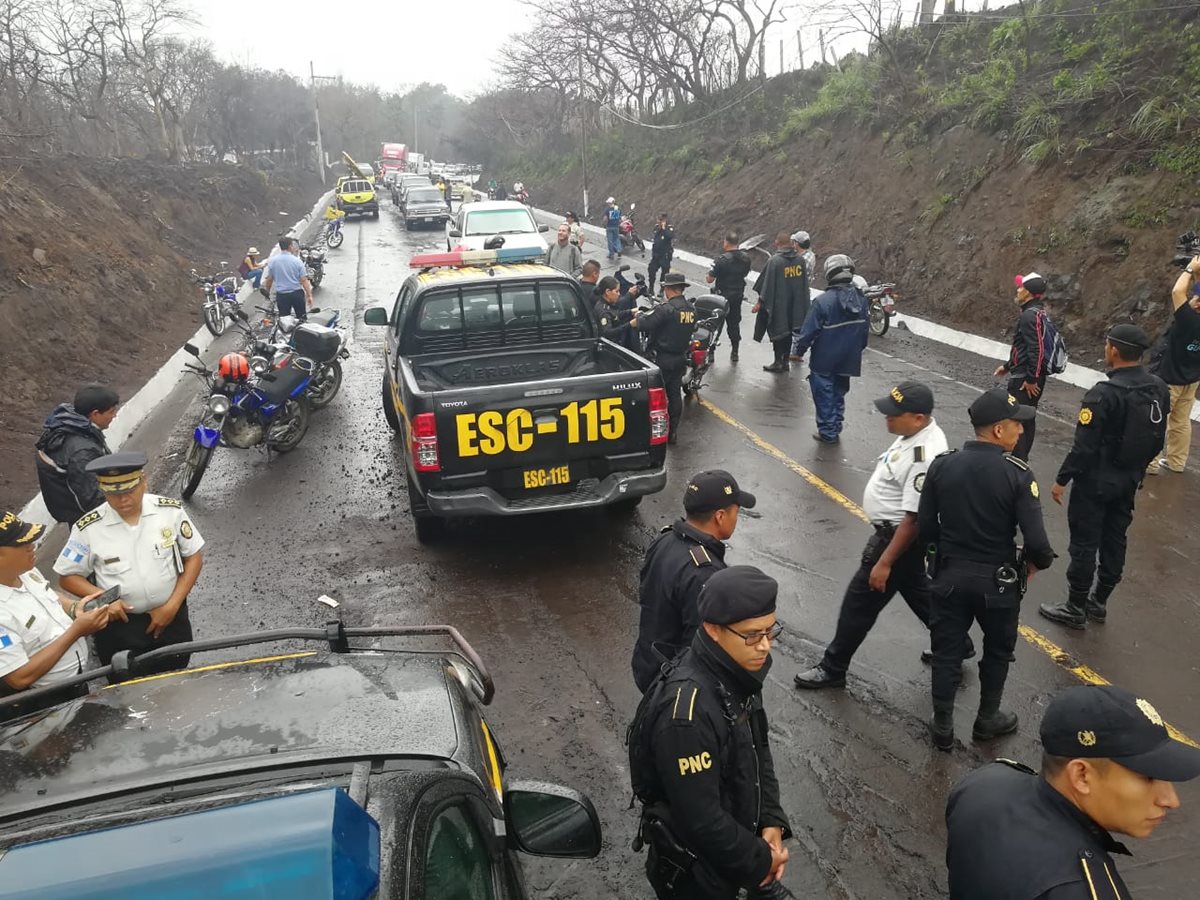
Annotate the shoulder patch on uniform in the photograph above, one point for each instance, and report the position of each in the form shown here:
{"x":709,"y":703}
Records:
{"x":36,"y":577}
{"x":1033,"y":489}
{"x":1085,"y":416}
{"x":946,"y":452}
{"x":1020,"y":767}
{"x":700,"y":556}
{"x":683,"y":707}
{"x":1017,"y":461}
{"x":919,"y":454}
{"x":919,"y":482}
{"x":185,"y":529}
{"x":170,"y":501}
{"x":87,"y":519}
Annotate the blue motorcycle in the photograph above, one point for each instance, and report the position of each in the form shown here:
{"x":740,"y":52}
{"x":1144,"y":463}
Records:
{"x":248,"y":406}
{"x":220,"y":299}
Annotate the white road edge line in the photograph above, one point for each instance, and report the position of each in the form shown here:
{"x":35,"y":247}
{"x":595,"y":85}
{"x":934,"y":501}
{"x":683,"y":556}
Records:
{"x":136,"y":409}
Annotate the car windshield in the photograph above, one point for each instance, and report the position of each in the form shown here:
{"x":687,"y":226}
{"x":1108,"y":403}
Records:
{"x":424,"y":195}
{"x":355,"y":187}
{"x":499,"y":221}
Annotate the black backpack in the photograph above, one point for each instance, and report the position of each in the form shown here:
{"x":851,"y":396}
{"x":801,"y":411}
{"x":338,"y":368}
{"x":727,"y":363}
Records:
{"x":643,"y":777}
{"x":1144,"y":431}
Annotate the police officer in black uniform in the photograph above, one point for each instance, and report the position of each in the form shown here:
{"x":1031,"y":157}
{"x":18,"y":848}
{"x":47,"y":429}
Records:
{"x":669,"y":327}
{"x":1108,"y":766}
{"x":662,"y":249}
{"x":700,"y":760}
{"x":677,"y":565}
{"x":971,"y":505}
{"x":614,"y":311}
{"x":728,"y":277}
{"x":1122,"y":427}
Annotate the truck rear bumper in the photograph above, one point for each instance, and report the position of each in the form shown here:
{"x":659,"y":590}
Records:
{"x":484,"y":501}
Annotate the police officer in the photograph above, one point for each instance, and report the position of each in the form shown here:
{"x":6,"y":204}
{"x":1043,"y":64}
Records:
{"x":1122,"y":427}
{"x":700,"y":760}
{"x":893,"y":559}
{"x":43,"y":635}
{"x":728,"y":277}
{"x":612,"y":315}
{"x":146,"y":544}
{"x":669,"y":327}
{"x":1108,"y":765}
{"x":662,"y":249}
{"x":783,"y":299}
{"x":681,"y":559}
{"x":971,"y":505}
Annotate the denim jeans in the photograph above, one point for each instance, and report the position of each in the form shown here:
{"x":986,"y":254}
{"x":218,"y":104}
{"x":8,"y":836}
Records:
{"x":614,"y":240}
{"x":255,"y":277}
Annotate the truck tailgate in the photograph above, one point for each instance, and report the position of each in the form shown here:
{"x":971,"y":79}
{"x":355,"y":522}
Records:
{"x":545,"y":434}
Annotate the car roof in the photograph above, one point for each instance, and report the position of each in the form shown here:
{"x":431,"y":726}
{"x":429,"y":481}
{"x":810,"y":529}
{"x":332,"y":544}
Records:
{"x":510,"y":272}
{"x":234,"y":717}
{"x":485,"y":205}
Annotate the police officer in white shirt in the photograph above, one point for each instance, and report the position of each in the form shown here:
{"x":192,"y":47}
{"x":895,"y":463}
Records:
{"x":893,"y":559}
{"x":42,"y":634}
{"x":144,"y":543}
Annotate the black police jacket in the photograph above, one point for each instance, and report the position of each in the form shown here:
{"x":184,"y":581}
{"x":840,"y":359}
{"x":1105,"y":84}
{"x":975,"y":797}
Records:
{"x":614,"y":324}
{"x":663,"y":245}
{"x":972,"y":502}
{"x":1011,"y":836}
{"x":729,"y":271}
{"x":1100,"y":428}
{"x":68,"y":443}
{"x":677,"y":565}
{"x":670,"y":326}
{"x":713,"y":762}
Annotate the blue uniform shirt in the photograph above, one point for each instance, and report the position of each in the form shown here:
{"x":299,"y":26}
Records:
{"x":286,"y":270}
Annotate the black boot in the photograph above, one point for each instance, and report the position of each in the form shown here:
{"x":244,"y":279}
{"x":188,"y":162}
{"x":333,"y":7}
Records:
{"x":777,"y":366}
{"x":941,"y":726}
{"x":1097,"y":604}
{"x":991,"y":721}
{"x":1069,"y":612}
{"x":733,"y":354}
{"x":773,"y":891}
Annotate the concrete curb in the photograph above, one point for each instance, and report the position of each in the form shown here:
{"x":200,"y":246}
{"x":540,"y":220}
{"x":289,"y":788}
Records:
{"x":1079,"y":376}
{"x":137,"y":408}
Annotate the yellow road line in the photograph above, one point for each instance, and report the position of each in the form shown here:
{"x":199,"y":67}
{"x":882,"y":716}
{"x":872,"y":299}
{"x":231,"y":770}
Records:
{"x":1056,"y":653}
{"x":227,"y":665}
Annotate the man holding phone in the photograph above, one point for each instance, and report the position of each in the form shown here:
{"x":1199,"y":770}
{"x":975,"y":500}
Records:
{"x":42,"y":633}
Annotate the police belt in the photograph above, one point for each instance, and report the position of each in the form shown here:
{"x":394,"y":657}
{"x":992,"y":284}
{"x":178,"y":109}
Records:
{"x":884,"y":529}
{"x":1004,"y":575}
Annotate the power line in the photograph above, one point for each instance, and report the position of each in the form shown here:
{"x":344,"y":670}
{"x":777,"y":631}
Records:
{"x":630,"y":121}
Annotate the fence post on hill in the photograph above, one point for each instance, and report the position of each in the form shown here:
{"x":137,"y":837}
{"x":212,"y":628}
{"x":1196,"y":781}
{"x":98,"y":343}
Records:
{"x":821,"y":38}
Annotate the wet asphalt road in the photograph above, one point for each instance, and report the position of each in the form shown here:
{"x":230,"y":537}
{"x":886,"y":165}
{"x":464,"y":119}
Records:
{"x":550,"y":601}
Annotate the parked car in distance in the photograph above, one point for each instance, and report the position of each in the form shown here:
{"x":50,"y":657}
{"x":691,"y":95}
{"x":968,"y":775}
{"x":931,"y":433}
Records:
{"x":475,"y":223}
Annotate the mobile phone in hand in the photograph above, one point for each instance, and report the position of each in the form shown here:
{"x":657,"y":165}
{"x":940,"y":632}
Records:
{"x":113,"y":593}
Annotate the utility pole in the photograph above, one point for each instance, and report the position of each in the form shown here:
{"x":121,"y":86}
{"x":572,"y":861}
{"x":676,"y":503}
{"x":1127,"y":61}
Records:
{"x":800,"y":49}
{"x":414,"y":98}
{"x":781,"y":56}
{"x":317,"y":115}
{"x":583,"y":136}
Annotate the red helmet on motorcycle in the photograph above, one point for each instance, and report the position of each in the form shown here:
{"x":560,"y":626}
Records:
{"x":234,"y":367}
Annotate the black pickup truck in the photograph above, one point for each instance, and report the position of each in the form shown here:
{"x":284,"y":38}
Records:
{"x":508,"y":401}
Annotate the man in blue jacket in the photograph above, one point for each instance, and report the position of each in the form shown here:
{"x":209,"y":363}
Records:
{"x":836,"y":330}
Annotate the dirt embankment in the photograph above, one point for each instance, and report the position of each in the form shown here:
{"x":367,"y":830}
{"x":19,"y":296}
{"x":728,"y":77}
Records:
{"x":951,"y":221}
{"x":95,"y":256}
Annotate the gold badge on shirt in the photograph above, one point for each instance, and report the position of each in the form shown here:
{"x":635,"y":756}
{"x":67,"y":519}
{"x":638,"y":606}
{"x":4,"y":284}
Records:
{"x":168,"y":537}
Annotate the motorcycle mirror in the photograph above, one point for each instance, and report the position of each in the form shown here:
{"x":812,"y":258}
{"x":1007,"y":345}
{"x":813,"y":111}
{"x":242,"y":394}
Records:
{"x":751,"y":243}
{"x":191,"y":348}
{"x":241,"y":314}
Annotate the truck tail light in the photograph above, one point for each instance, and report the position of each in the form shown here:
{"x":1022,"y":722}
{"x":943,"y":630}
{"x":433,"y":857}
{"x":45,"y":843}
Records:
{"x":425,"y":443}
{"x":660,"y":422}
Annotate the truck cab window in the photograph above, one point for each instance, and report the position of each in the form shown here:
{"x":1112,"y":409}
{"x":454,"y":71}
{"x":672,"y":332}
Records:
{"x":457,"y":863}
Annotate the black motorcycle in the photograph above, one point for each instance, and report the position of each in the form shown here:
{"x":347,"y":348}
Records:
{"x":702,"y":351}
{"x":314,"y":264}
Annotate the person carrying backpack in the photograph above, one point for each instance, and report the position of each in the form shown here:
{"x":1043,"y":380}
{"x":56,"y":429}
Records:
{"x":1122,"y":427}
{"x":1037,"y":353}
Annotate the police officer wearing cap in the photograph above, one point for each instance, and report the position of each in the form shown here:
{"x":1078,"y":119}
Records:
{"x":728,"y":278}
{"x":146,"y":544}
{"x":669,"y":327}
{"x":700,"y":759}
{"x":682,"y":558}
{"x":43,"y":635}
{"x":1121,"y":429}
{"x":893,"y":559}
{"x":1108,"y":765}
{"x":972,"y":503}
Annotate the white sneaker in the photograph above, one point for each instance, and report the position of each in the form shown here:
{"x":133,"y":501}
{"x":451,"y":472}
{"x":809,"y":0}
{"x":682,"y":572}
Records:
{"x":1155,"y":468}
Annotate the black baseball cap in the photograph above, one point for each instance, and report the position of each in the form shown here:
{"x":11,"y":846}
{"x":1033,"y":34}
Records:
{"x":715,"y":489}
{"x":1129,"y":334}
{"x":997,"y":405}
{"x":737,"y":593}
{"x":1092,"y":721}
{"x":15,"y":532}
{"x":906,"y":397}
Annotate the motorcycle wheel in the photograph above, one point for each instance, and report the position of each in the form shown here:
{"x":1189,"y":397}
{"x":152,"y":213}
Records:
{"x":335,"y":240}
{"x":214,"y":320}
{"x":295,"y":419}
{"x":194,"y":466}
{"x":322,"y":391}
{"x":318,"y":275}
{"x":880,"y":320}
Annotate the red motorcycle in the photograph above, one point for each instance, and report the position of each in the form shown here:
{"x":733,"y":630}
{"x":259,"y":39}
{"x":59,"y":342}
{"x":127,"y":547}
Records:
{"x":628,"y":234}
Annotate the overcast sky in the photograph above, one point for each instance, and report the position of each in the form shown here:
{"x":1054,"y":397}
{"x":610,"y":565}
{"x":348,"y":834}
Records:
{"x":395,"y":45}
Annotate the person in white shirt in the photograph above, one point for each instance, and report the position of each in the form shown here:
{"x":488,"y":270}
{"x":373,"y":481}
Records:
{"x":893,"y":560}
{"x":42,"y":633}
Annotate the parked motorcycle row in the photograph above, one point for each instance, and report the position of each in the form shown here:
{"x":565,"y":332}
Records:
{"x":261,"y":395}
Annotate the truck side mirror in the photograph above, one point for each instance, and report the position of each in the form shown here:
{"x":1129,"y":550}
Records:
{"x":551,"y":820}
{"x":375,"y":315}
